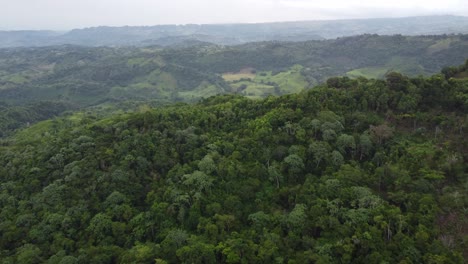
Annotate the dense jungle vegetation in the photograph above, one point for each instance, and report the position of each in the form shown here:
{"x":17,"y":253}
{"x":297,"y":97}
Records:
{"x":351,"y":171}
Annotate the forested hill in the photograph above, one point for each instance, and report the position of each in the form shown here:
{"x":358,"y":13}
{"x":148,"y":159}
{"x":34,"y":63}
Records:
{"x":88,"y":76}
{"x":233,"y":34}
{"x":353,"y":171}
{"x":36,"y":83}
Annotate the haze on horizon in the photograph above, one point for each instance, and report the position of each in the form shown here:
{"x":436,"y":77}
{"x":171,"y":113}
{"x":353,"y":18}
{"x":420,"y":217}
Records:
{"x":69,"y":14}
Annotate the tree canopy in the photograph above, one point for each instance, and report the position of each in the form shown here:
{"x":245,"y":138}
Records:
{"x":336,"y":174}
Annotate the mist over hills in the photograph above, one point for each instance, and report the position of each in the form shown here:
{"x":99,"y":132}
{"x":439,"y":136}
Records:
{"x":232,"y":34}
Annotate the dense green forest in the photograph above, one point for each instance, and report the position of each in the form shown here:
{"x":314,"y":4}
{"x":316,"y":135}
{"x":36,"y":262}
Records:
{"x":38,"y":83}
{"x":351,"y":171}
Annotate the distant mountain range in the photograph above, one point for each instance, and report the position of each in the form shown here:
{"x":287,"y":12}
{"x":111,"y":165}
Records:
{"x":87,"y":76}
{"x":232,"y":34}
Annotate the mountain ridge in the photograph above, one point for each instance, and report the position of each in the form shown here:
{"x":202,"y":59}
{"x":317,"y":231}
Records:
{"x":231,"y":34}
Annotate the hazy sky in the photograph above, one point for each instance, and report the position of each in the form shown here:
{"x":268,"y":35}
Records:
{"x":68,"y":14}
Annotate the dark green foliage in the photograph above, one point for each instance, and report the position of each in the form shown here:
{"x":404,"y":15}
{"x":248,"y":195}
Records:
{"x":13,"y":117}
{"x":343,"y":174}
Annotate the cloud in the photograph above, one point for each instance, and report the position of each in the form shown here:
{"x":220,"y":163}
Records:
{"x":333,"y":9}
{"x":67,"y":14}
{"x":353,"y":4}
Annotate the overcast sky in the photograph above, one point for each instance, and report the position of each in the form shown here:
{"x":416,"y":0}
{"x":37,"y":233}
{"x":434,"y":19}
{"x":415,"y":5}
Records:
{"x":68,"y":14}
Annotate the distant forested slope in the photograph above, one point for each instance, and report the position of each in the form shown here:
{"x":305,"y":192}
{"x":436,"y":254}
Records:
{"x":352,"y":171}
{"x":88,"y":76}
{"x":233,"y":34}
{"x":76,"y":77}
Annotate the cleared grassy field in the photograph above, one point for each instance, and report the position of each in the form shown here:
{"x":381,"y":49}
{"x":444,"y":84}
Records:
{"x":254,"y":90}
{"x":263,"y":84}
{"x":369,"y":72}
{"x":406,"y":65}
{"x":204,"y":90}
{"x":246,"y":73}
{"x":440,"y":45}
{"x":290,"y":81}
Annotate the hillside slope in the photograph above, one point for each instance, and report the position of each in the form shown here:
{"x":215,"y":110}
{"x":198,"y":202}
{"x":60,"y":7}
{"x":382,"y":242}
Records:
{"x":355,"y":171}
{"x":78,"y":77}
{"x":87,"y":76}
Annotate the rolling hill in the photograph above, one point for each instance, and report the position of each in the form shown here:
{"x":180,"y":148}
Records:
{"x":234,"y":34}
{"x":77,"y":77}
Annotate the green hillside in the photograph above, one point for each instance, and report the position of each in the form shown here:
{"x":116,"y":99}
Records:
{"x":80,"y":77}
{"x":89,"y":76}
{"x":354,"y":171}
